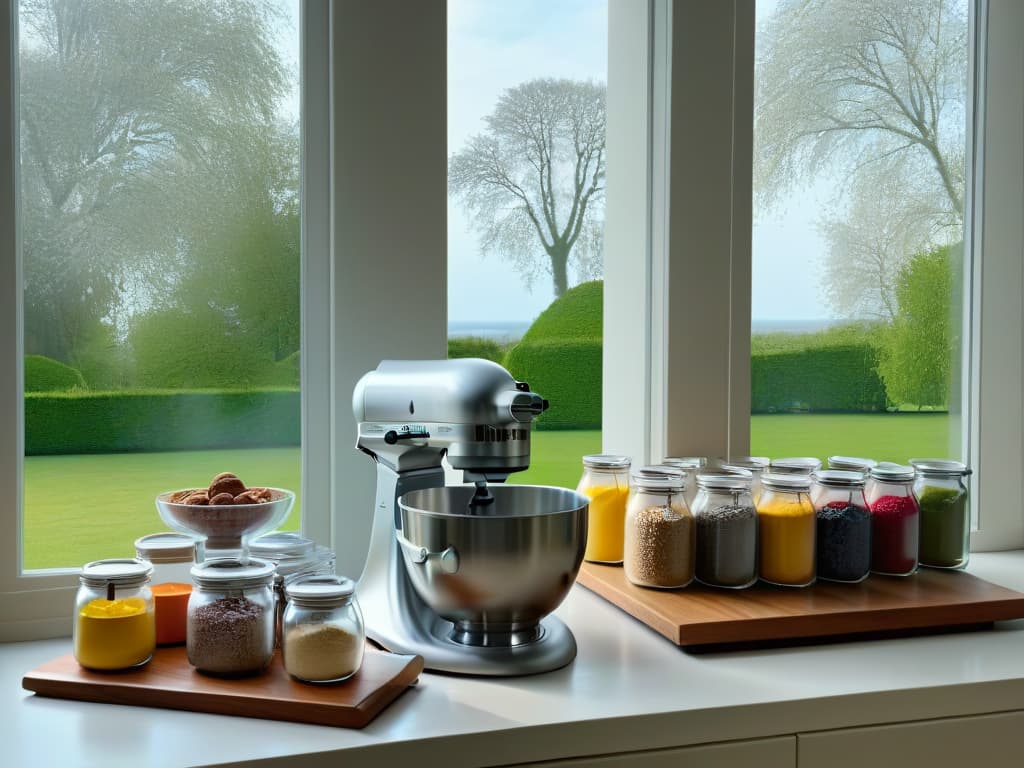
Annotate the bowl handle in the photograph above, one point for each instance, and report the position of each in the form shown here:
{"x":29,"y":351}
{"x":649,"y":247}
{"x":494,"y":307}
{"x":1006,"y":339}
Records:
{"x":447,"y":559}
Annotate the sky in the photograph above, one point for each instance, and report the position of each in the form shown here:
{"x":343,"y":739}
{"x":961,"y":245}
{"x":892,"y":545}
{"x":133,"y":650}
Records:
{"x":493,"y":46}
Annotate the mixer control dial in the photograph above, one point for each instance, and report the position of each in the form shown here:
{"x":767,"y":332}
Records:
{"x":393,"y":436}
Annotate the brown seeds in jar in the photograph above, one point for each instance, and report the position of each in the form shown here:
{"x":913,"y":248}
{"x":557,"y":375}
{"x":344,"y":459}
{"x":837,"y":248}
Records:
{"x":660,"y":546}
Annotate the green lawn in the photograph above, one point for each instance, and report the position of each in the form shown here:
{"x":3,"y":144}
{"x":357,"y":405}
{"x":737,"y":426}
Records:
{"x":81,"y":508}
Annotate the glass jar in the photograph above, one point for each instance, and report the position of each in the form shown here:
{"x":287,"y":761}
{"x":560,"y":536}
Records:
{"x":294,"y":557}
{"x":895,"y":518}
{"x":843,"y":540}
{"x":690,"y":466}
{"x":852,"y":464}
{"x":786,"y":530}
{"x":797,"y":465}
{"x":172,"y":556}
{"x":660,"y":543}
{"x":114,"y":625}
{"x":755,"y":465}
{"x":605,"y":482}
{"x":323,"y":634}
{"x":231,"y":616}
{"x":726,"y":523}
{"x":942,"y":498}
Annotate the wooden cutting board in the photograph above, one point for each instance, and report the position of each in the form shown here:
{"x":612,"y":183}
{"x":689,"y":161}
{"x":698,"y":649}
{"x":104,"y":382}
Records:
{"x":703,"y":618}
{"x":169,"y":681}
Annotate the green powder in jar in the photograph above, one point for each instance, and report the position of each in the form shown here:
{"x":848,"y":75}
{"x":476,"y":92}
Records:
{"x":943,"y":527}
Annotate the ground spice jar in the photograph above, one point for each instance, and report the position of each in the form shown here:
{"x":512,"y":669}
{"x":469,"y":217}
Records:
{"x":115,"y":627}
{"x":851,"y":464}
{"x":323,"y":634}
{"x":894,"y":520}
{"x":690,"y":466}
{"x":945,"y":515}
{"x":843,"y":538}
{"x":786,"y":530}
{"x":231,"y":617}
{"x":660,"y":543}
{"x":726,"y":522}
{"x":172,"y":556}
{"x":605,"y":482}
{"x":799,"y":465}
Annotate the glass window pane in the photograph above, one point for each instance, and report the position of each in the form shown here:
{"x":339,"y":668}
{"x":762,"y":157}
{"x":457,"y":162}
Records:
{"x":160,"y":247}
{"x":858,"y":257}
{"x":526,"y":140}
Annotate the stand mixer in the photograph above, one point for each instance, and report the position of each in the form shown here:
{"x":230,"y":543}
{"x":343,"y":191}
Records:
{"x":464,"y":575}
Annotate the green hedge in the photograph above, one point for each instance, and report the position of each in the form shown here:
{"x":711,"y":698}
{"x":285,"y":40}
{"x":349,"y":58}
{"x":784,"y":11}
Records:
{"x":576,"y":314}
{"x":565,"y":372}
{"x":113,"y":422}
{"x":835,"y":378}
{"x":475,"y":346}
{"x":43,"y":374}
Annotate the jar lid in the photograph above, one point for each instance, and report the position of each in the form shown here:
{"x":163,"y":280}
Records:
{"x":736,"y":470}
{"x":798,"y":465}
{"x":233,"y":573}
{"x":122,"y":572}
{"x":886,"y":470}
{"x":732,"y":481}
{"x":321,"y":590}
{"x":851,"y":462}
{"x":606,"y":461}
{"x":166,"y":547}
{"x":839,"y":478}
{"x":747,"y":462}
{"x":282,"y":544}
{"x":685,"y":462}
{"x":659,"y":478}
{"x":786,"y":482}
{"x":942,"y":467}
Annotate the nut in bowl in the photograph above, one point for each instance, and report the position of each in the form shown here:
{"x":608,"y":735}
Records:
{"x":226,"y":513}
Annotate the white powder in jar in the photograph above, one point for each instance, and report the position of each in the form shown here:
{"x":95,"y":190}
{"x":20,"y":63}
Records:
{"x":321,"y":652}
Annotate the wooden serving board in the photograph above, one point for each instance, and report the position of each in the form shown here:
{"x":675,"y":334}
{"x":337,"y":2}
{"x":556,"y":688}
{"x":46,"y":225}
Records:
{"x":703,"y":618}
{"x":169,"y":681}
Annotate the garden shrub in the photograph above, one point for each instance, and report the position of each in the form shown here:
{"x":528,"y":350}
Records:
{"x":45,"y":375}
{"x":475,"y":346}
{"x":567,"y":373}
{"x":830,"y":378}
{"x":112,"y":422}
{"x":576,"y":314}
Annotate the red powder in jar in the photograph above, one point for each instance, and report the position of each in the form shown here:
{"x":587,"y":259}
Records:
{"x":894,"y":532}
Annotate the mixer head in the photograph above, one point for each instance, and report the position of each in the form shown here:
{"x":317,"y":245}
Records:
{"x":413,"y":412}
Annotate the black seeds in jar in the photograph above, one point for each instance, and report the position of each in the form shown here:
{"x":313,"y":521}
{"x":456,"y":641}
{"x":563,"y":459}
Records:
{"x":727,"y":545}
{"x":843,"y":541}
{"x":230,"y":636}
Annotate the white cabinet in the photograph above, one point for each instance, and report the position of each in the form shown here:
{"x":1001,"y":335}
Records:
{"x":992,"y":741}
{"x":764,"y":753}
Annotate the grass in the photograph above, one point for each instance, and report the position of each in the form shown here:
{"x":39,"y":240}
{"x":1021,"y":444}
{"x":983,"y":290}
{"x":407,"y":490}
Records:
{"x":82,"y":508}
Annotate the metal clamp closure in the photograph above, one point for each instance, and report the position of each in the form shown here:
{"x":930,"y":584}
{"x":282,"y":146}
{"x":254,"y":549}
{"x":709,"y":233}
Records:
{"x":447,"y":559}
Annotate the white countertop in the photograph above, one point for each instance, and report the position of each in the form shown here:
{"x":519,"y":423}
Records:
{"x":629,"y":689}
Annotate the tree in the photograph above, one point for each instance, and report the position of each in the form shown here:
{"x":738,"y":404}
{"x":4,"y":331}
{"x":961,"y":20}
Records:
{"x":918,"y":350}
{"x":875,"y":91}
{"x":533,"y":182}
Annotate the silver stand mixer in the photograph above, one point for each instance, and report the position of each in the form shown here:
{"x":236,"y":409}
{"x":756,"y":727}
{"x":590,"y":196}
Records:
{"x":464,"y":575}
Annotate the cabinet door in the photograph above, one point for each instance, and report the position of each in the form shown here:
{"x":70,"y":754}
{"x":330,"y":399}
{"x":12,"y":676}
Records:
{"x":992,"y":741}
{"x":763,"y":753}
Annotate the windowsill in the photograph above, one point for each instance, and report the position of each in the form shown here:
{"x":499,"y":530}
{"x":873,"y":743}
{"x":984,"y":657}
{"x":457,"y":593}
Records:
{"x":629,"y":689}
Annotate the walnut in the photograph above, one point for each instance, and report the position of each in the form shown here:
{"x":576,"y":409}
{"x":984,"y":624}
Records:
{"x":248,"y":497}
{"x":261,"y":494}
{"x":222,"y":498}
{"x":178,"y":497}
{"x":226,"y":482}
{"x":198,"y":497}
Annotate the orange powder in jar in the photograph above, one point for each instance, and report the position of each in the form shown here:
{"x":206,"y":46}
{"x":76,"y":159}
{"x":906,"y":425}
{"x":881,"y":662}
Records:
{"x":606,"y":523}
{"x":170,"y":602}
{"x":786,"y":530}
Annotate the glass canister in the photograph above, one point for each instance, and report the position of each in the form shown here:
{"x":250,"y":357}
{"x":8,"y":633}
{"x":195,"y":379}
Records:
{"x":755,"y":465}
{"x":796,"y":465}
{"x":115,"y":626}
{"x":726,"y":523}
{"x":294,"y":557}
{"x":786,"y":530}
{"x":605,"y":482}
{"x":852,"y":464}
{"x":323,"y":634}
{"x":231,"y":616}
{"x":172,"y":556}
{"x":690,"y":466}
{"x":843,"y":527}
{"x":942,"y":497}
{"x":895,"y":519}
{"x":660,"y":543}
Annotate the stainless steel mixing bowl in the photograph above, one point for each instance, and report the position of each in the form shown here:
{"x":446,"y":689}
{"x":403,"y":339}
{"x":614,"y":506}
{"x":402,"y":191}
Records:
{"x":495,"y":575}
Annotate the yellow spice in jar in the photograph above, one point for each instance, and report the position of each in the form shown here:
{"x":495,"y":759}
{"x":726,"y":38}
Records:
{"x":606,"y":523}
{"x":114,"y":634}
{"x":786,"y":540}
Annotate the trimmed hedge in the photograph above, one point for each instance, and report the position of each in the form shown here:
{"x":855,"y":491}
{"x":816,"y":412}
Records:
{"x":43,"y":374}
{"x":475,"y":346}
{"x":113,"y":422}
{"x":568,"y":374}
{"x":834,"y":378}
{"x":576,"y":314}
